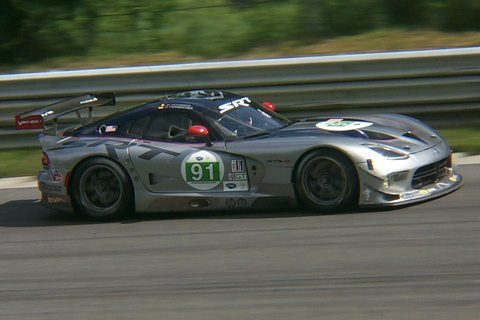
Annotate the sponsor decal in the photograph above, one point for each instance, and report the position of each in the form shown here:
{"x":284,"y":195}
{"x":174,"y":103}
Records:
{"x":342,"y":125}
{"x":279,"y":161}
{"x":237,"y":176}
{"x":237,"y":186}
{"x":367,"y":193}
{"x":26,"y":122}
{"x":241,"y":202}
{"x":202,"y":170}
{"x":54,"y":200}
{"x":238,"y":166}
{"x":175,"y":106}
{"x":106,"y":129}
{"x":242,"y":102}
{"x":50,"y":187}
{"x":454,"y":178}
{"x":56,"y":176}
{"x":179,"y":106}
{"x":232,"y":203}
{"x":30,"y":122}
{"x":416,"y":194}
{"x":111,"y":128}
{"x":441,"y":186}
{"x":407,"y":196}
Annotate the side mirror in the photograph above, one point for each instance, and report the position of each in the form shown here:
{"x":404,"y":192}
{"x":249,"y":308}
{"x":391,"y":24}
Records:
{"x":269,"y":105}
{"x":199,"y":131}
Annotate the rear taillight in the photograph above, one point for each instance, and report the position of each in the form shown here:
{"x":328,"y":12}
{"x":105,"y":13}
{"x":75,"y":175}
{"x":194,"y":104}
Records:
{"x":45,"y":160}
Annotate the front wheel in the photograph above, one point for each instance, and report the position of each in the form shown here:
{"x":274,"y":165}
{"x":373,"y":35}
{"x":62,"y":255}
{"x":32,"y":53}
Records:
{"x":326,"y":180}
{"x":101,"y":189}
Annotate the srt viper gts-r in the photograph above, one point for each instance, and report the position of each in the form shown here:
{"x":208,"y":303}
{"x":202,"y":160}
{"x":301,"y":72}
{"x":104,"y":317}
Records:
{"x":210,"y":149}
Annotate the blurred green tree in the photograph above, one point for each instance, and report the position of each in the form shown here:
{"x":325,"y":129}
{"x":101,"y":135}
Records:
{"x":460,"y":15}
{"x":49,"y":28}
{"x":11,"y":20}
{"x":406,"y":13}
{"x":40,"y":29}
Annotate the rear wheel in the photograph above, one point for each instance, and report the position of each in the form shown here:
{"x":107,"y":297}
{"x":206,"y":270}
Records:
{"x":101,"y":189}
{"x":327,"y":180}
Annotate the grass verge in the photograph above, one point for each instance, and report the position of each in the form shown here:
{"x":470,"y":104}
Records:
{"x":27,"y":162}
{"x":383,"y":40}
{"x":20,"y":162}
{"x":463,"y":139}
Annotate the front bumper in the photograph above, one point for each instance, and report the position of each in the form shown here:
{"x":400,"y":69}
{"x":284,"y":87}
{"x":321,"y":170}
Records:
{"x":371,"y":196}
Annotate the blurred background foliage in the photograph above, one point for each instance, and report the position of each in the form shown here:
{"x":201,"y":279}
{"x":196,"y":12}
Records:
{"x":34,"y":30}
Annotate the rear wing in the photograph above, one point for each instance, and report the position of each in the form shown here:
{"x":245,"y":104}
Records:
{"x":37,"y":119}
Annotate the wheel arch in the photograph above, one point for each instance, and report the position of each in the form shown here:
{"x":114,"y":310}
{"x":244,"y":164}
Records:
{"x":98,"y":156}
{"x":125,"y":203}
{"x":323,"y":148}
{"x":332,"y":149}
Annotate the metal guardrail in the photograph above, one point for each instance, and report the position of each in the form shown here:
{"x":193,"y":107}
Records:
{"x":434,"y":83}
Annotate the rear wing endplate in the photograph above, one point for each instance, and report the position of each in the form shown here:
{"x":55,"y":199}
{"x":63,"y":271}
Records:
{"x":37,"y":119}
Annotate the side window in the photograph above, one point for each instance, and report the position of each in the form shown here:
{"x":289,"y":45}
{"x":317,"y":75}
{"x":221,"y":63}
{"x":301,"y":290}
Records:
{"x":158,"y":128}
{"x":137,"y":128}
{"x":172,"y":127}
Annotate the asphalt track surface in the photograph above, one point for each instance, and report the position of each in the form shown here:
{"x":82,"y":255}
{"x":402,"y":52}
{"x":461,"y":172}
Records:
{"x":417,"y":262}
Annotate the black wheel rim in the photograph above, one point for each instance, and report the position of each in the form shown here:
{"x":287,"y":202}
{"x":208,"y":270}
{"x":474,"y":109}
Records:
{"x":325,"y":181}
{"x":100,"y":189}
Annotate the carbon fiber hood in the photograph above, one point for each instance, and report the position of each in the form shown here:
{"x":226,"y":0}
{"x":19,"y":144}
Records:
{"x":397,"y":131}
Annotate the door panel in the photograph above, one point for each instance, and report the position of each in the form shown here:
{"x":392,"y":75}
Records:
{"x":169,"y":167}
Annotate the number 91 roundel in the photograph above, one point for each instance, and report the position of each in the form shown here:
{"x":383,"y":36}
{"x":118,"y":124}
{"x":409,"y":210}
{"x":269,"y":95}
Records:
{"x":203,"y":170}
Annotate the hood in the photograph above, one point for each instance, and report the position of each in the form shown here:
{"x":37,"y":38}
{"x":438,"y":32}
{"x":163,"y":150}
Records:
{"x":398,"y":131}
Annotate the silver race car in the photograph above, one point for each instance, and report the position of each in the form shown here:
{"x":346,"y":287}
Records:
{"x":207,"y":149}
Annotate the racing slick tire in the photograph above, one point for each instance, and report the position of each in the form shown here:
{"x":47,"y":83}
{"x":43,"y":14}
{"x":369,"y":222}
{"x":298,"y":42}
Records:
{"x":101,"y":189}
{"x":326,"y":180}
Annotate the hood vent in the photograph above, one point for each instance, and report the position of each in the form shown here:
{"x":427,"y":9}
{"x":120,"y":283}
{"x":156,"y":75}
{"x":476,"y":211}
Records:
{"x":365,"y":134}
{"x":414,"y":136}
{"x":378,"y":135}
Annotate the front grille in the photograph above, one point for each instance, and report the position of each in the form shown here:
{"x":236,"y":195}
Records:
{"x":430,"y":173}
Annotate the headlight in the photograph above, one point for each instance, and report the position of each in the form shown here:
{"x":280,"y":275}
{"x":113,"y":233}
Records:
{"x":394,"y":177}
{"x":388,"y":152}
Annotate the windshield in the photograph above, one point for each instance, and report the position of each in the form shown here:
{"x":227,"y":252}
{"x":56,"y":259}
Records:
{"x":247,"y":118}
